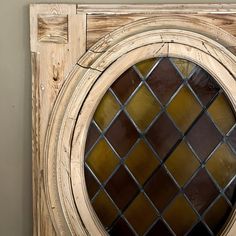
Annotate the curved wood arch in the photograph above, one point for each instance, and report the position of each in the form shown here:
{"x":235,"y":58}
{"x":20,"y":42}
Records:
{"x":68,"y":201}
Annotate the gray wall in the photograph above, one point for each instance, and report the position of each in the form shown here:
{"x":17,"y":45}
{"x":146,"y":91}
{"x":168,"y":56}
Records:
{"x":15,"y":116}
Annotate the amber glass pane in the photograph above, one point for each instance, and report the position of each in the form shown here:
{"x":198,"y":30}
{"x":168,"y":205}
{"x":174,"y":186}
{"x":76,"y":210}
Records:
{"x":143,"y":107}
{"x":105,"y":209}
{"x":92,"y":136}
{"x":144,"y":67}
{"x":122,"y":134}
{"x":161,"y":189}
{"x":159,"y":135}
{"x":126,"y":84}
{"x":184,"y":108}
{"x":204,"y":137}
{"x":121,"y":228}
{"x":222,"y":114}
{"x":180,"y":216}
{"x":217,"y":215}
{"x":102,"y":160}
{"x":231,"y":192}
{"x":141,"y":161}
{"x":184,"y":66}
{"x":201,"y":191}
{"x":232,"y":139}
{"x":121,"y":187}
{"x":159,"y":228}
{"x":182,"y":163}
{"x":199,"y":230}
{"x":204,"y":86}
{"x":222,"y":165}
{"x":140,"y":214}
{"x":164,"y":80}
{"x":106,"y":110}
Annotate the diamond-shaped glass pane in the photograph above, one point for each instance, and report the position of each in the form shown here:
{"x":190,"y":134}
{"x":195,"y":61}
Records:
{"x":184,"y":108}
{"x":143,"y":107}
{"x":231,"y":192}
{"x":121,"y":228}
{"x":164,"y":80}
{"x":121,"y":187}
{"x":185,"y":67}
{"x":105,"y":209}
{"x":204,"y":137}
{"x":126,"y":84}
{"x":144,"y":67}
{"x":222,"y":114}
{"x":203,"y":85}
{"x":141,"y":214}
{"x":106,"y":110}
{"x":199,"y":230}
{"x":217,"y":215}
{"x":92,"y":137}
{"x":159,"y":228}
{"x":141,"y":161}
{"x":182,"y":163}
{"x":161,"y":189}
{"x":122,"y":134}
{"x":179,"y":215}
{"x":222,"y":165}
{"x":102,"y":160}
{"x":232,"y":139}
{"x":201,"y":191}
{"x":163,"y":135}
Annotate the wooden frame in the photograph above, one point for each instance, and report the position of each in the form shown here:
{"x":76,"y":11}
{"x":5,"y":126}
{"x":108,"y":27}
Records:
{"x":70,"y":78}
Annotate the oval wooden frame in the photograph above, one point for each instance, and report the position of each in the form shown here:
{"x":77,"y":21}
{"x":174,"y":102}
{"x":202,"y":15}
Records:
{"x":66,"y":193}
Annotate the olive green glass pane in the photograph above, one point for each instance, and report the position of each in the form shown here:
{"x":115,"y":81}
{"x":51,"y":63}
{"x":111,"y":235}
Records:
{"x":104,"y":208}
{"x":144,"y":67}
{"x":179,"y":215}
{"x":182,"y":163}
{"x":143,"y":107}
{"x":184,"y":108}
{"x":222,"y":165}
{"x":222,"y":114}
{"x":102,"y":160}
{"x":106,"y":110}
{"x":184,"y":66}
{"x":141,"y":161}
{"x":217,"y":215}
{"x":141,"y":214}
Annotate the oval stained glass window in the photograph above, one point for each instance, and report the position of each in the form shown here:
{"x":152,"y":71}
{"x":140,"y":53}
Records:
{"x":160,"y":152}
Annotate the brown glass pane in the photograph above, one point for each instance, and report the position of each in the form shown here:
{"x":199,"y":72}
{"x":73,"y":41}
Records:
{"x":184,"y":108}
{"x":180,"y":216}
{"x":232,"y":139}
{"x":122,"y":134}
{"x":201,"y":191}
{"x":105,"y":209}
{"x":141,"y":214}
{"x":164,"y":80}
{"x":102,"y":160}
{"x":204,"y":137}
{"x":126,"y":84}
{"x":92,"y":137}
{"x":222,"y":114}
{"x":199,"y":230}
{"x":161,"y":189}
{"x":185,"y":67}
{"x":106,"y":110}
{"x":231,"y":192}
{"x":91,"y":182}
{"x":204,"y":86}
{"x":141,"y":161}
{"x":143,"y":107}
{"x":121,"y":228}
{"x":121,"y":187}
{"x":217,"y":215}
{"x":163,"y":135}
{"x":222,"y":165}
{"x":144,"y":67}
{"x":182,"y":163}
{"x":159,"y":229}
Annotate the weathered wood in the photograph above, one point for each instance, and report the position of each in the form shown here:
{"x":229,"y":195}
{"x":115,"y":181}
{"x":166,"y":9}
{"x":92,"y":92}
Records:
{"x":53,"y":28}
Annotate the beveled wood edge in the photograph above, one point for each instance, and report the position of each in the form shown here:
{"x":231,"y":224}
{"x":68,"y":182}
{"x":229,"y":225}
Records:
{"x":82,"y":76}
{"x":213,"y":8}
